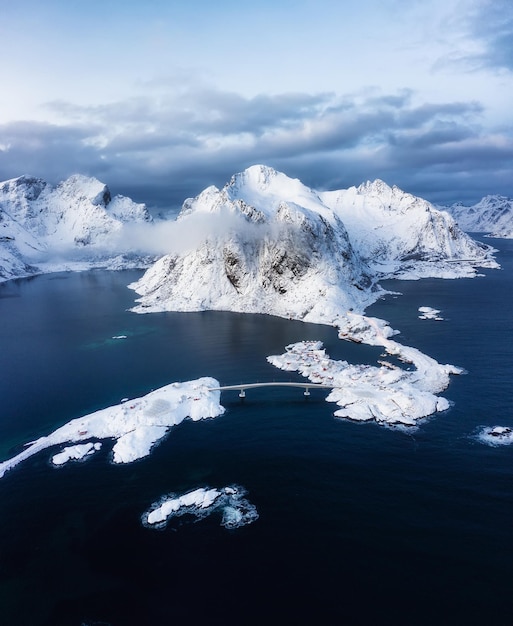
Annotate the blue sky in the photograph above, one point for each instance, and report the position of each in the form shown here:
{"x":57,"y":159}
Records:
{"x":160,"y":99}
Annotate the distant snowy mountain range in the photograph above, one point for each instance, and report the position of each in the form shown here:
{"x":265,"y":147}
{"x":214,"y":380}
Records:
{"x":492,"y":215}
{"x":42,"y":226}
{"x":262,"y":243}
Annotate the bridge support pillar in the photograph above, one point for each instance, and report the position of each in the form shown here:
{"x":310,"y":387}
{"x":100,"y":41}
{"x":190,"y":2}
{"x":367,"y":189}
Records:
{"x":306,"y":392}
{"x":242,"y":393}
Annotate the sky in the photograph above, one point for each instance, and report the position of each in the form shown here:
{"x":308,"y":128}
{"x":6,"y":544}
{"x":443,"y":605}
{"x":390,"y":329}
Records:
{"x":161,"y":98}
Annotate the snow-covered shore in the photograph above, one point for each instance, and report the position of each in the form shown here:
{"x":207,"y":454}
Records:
{"x":387,"y":394}
{"x":76,"y":453}
{"x":136,"y":425}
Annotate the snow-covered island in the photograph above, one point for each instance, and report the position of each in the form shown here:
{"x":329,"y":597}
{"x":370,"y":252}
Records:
{"x":387,"y":394}
{"x":496,"y":435}
{"x":135,"y":426}
{"x":429,"y":313}
{"x":76,"y":453}
{"x":229,"y":501}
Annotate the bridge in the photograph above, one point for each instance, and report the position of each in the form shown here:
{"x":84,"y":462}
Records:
{"x":242,"y":387}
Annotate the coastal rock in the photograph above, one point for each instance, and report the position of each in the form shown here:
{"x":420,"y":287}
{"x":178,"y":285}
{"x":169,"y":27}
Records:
{"x":229,"y":501}
{"x":496,"y":435}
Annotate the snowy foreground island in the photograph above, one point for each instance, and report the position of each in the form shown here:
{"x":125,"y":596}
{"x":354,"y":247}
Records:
{"x":387,"y":394}
{"x":428,"y":313}
{"x":496,"y":435}
{"x":235,"y":510}
{"x":136,"y":425}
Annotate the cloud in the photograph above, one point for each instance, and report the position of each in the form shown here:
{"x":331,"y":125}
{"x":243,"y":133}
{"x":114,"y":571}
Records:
{"x":493,"y":26}
{"x":485,"y":37}
{"x":178,"y":236}
{"x":171,"y":143}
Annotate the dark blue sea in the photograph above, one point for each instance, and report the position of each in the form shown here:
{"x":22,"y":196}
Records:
{"x":358,"y":524}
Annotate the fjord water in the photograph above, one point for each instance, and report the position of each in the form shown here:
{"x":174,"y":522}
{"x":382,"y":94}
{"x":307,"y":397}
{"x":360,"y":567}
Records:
{"x":358,"y":524}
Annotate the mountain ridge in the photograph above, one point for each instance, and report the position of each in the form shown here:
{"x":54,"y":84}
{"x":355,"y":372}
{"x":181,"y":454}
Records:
{"x":39,"y":221}
{"x":369,"y":232}
{"x":493,"y":215}
{"x":301,"y":253}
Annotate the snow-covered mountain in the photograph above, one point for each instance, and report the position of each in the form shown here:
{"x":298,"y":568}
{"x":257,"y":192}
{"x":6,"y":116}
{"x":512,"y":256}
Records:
{"x":276,"y":248}
{"x":263,"y":242}
{"x":396,"y":232}
{"x":492,"y":215}
{"x":38,"y":220}
{"x":16,"y":245}
{"x":281,"y":247}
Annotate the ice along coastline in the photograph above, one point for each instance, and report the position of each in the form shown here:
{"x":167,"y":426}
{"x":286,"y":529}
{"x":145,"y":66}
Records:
{"x":135,"y":426}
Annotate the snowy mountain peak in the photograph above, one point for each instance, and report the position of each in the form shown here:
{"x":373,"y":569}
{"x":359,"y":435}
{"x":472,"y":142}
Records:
{"x":258,"y":194}
{"x":263,"y":181}
{"x":85,"y":188}
{"x":390,"y":227}
{"x":304,"y":254}
{"x":493,"y":214}
{"x":266,"y":190}
{"x":375,"y":187}
{"x":23,"y":187}
{"x":39,"y":220}
{"x":502,"y":203}
{"x":256,"y":177}
{"x":392,"y":198}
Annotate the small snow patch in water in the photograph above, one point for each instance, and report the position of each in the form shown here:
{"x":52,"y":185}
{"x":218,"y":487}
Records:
{"x":75,"y":453}
{"x":235,"y":510}
{"x":496,"y":435}
{"x":428,"y":313}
